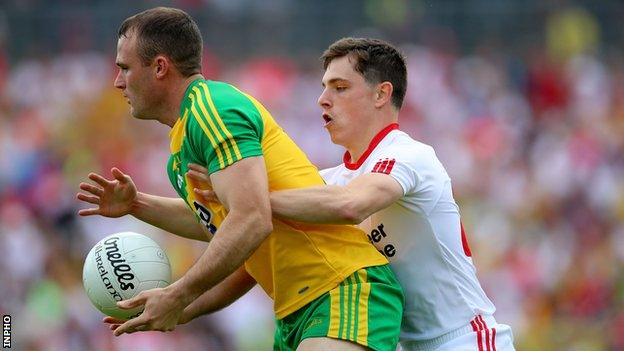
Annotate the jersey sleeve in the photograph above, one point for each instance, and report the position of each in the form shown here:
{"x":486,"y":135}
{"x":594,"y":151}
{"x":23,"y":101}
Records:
{"x":416,"y":169}
{"x":329,"y":174}
{"x":398,"y":168}
{"x":402,"y":163}
{"x":223,"y":133}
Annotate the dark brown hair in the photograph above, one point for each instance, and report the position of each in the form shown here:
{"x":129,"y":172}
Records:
{"x":376,"y":60}
{"x":168,"y":31}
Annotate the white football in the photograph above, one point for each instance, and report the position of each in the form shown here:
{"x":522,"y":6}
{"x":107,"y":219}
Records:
{"x":120,"y":266}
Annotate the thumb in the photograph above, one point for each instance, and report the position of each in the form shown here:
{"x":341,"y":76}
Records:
{"x":119,"y":175}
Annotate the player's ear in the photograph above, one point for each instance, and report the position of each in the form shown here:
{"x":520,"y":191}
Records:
{"x":383,"y":94}
{"x":162,"y":66}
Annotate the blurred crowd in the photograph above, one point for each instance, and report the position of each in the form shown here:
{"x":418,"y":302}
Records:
{"x":532,"y":140}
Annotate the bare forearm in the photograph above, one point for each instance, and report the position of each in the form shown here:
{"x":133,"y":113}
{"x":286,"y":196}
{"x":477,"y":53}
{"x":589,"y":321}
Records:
{"x":221,"y":296}
{"x":237,"y":238}
{"x":321,"y":204}
{"x":170,"y":214}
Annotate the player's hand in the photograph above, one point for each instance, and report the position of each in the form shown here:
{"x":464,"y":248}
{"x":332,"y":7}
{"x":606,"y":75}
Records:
{"x":162,"y":312}
{"x":114,"y":323}
{"x":186,"y":316}
{"x":200,"y":179}
{"x":114,"y":198}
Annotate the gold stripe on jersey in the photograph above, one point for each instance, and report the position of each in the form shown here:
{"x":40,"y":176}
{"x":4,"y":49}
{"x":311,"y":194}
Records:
{"x":220,"y":122}
{"x":220,"y":139}
{"x":362,"y":330}
{"x":334,"y":315}
{"x":201,"y":123}
{"x":345,"y":307}
{"x":177,"y":134}
{"x":352,"y":308}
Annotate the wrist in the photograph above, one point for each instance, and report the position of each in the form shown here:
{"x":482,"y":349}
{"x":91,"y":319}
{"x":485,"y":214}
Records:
{"x":137,"y":204}
{"x":181,"y":293}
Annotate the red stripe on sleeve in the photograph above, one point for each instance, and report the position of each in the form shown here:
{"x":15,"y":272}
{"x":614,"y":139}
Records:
{"x":480,"y":317}
{"x":493,"y":339}
{"x":479,"y":340}
{"x":382,"y":169}
{"x":390,"y":165}
{"x":376,"y":168}
{"x":477,"y":330}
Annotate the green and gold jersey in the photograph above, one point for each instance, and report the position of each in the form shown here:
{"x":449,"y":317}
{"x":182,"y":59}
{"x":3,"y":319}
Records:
{"x":298,"y":262}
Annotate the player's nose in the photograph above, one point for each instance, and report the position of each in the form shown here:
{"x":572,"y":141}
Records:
{"x":323,"y":100}
{"x":119,"y":81}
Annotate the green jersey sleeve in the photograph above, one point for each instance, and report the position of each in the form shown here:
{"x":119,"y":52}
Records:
{"x":224,"y":126}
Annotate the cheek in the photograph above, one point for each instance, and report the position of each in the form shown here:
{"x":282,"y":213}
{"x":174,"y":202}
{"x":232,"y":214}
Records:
{"x":353,"y":108}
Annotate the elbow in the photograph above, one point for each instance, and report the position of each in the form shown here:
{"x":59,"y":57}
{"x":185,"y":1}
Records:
{"x":255,"y":222}
{"x":350,"y":214}
{"x":265,"y":227}
{"x":263,"y":224}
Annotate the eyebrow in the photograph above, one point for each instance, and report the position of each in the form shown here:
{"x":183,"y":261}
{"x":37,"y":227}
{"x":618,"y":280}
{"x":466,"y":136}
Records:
{"x":334,"y":81}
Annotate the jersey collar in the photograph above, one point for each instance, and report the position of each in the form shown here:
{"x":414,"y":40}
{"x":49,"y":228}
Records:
{"x":373,"y":144}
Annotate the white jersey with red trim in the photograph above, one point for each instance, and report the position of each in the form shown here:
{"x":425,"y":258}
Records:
{"x":421,"y":235}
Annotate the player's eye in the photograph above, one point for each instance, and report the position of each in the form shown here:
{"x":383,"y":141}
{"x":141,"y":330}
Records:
{"x":341,"y":88}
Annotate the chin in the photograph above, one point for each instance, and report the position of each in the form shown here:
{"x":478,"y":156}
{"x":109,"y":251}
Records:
{"x":335,"y":139}
{"x":136,"y":114}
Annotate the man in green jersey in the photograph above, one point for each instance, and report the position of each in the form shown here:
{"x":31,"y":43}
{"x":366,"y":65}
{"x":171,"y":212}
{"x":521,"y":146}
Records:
{"x":328,"y":295}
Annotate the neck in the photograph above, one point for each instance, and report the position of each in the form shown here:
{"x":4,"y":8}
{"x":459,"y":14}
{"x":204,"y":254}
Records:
{"x":357,"y":150}
{"x":364,"y":139}
{"x":171,"y":105}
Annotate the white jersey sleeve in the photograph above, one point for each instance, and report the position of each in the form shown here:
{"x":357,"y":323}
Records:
{"x":416,"y":169}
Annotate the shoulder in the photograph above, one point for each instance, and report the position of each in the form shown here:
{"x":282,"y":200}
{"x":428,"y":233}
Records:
{"x":328,"y":173}
{"x":209,"y":96}
{"x":401,"y":147}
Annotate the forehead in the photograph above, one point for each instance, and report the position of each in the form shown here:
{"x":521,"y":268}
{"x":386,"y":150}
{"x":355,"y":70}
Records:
{"x":341,"y":69}
{"x":125,"y":46}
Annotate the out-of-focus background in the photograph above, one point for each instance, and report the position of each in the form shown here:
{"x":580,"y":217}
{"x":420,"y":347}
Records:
{"x":522,"y":100}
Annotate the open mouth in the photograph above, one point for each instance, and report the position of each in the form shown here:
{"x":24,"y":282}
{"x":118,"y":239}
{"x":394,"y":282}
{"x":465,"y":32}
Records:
{"x":327,"y":118}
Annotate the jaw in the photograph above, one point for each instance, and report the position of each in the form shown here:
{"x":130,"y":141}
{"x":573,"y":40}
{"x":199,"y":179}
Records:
{"x":336,"y":134}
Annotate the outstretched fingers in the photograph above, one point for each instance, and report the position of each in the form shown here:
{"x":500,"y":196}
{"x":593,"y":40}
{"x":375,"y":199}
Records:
{"x":88,"y":198}
{"x":95,"y":190}
{"x":89,"y":212}
{"x":119,"y":175}
{"x":99,"y":179}
{"x":113,"y":323}
{"x":113,"y":320}
{"x":135,"y":324}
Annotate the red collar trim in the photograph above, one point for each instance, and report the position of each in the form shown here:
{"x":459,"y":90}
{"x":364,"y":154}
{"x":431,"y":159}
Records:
{"x":373,"y":144}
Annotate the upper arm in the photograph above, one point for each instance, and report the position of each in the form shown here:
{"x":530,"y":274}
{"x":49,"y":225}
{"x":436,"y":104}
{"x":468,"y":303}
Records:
{"x":224,"y":124}
{"x":371,"y":192}
{"x":243,"y":187}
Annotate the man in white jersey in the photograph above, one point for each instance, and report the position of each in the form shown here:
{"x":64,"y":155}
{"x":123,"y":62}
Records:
{"x":397,"y":190}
